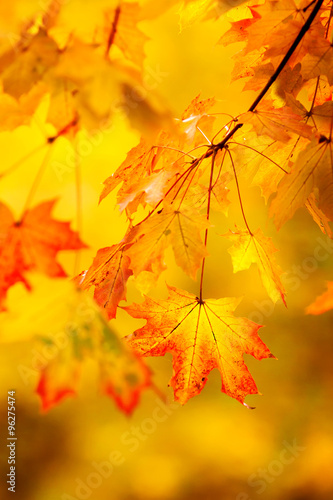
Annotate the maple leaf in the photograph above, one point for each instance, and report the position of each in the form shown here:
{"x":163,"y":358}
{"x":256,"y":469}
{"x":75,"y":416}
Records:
{"x":276,"y":123}
{"x":318,"y":60}
{"x":58,"y":381}
{"x":323,"y":302}
{"x":143,"y":174}
{"x":193,"y":11}
{"x":149,"y":190}
{"x":16,"y":112}
{"x":313,"y":168}
{"x":91,"y":84}
{"x":20,"y":70}
{"x":85,"y":84}
{"x":259,"y":75}
{"x":108,"y":273}
{"x":279,"y":24}
{"x":318,"y":216}
{"x":147,"y":169}
{"x":319,"y":90}
{"x":246,"y":63}
{"x":181,"y":228}
{"x":195,"y":114}
{"x":258,"y":249}
{"x":201,"y":336}
{"x":238,"y":31}
{"x":121,"y":28}
{"x":273,"y":34}
{"x":287,"y":87}
{"x":138,"y":161}
{"x":322,"y":117}
{"x":65,"y":321}
{"x":282,"y":38}
{"x":80,"y":71}
{"x":262,"y":161}
{"x":32,"y":244}
{"x":197,"y":194}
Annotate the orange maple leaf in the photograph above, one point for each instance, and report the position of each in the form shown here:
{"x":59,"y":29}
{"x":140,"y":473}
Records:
{"x":276,"y":123}
{"x":319,"y":90}
{"x":179,"y":228}
{"x":323,"y":302}
{"x":318,"y":60}
{"x":142,"y":174}
{"x":57,"y":382}
{"x":201,"y":336}
{"x":138,"y":161}
{"x":108,"y":273}
{"x":32,"y":244}
{"x":277,"y":27}
{"x":312,"y":170}
{"x":238,"y":30}
{"x":195,"y":114}
{"x":318,"y":216}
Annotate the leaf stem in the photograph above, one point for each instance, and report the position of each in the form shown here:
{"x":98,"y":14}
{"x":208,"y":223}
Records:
{"x":113,"y":31}
{"x":208,"y":214}
{"x":239,"y":194}
{"x":19,"y":162}
{"x":36,"y":182}
{"x":79,"y":210}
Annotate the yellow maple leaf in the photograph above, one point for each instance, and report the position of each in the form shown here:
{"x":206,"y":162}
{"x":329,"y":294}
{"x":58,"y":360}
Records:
{"x":312,"y":169}
{"x":258,"y":249}
{"x":193,"y":11}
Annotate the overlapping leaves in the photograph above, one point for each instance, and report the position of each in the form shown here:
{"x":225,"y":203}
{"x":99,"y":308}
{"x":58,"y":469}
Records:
{"x":170,"y":184}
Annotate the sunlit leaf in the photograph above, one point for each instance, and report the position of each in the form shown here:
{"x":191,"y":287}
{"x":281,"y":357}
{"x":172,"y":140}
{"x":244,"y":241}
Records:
{"x":201,"y":336}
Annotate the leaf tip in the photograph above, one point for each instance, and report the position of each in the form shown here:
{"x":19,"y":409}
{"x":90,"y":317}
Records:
{"x":249,"y":407}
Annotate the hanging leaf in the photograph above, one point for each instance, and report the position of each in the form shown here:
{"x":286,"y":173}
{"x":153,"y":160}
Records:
{"x":257,"y":249}
{"x":201,"y":336}
{"x":32,"y":244}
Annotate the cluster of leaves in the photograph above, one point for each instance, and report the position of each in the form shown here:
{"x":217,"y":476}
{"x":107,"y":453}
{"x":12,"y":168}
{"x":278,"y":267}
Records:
{"x":179,"y":173}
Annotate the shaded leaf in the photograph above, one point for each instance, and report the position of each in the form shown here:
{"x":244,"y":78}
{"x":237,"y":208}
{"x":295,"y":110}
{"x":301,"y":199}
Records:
{"x":29,"y":63}
{"x":238,"y":30}
{"x":312,"y":169}
{"x":179,"y":228}
{"x":14,"y":113}
{"x":276,"y":123}
{"x":68,"y":325}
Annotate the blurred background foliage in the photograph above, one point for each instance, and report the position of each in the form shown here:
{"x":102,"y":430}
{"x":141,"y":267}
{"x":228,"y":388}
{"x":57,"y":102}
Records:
{"x":213,"y":448}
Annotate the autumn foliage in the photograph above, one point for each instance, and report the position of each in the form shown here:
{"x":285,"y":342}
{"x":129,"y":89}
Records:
{"x":182,"y":171}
